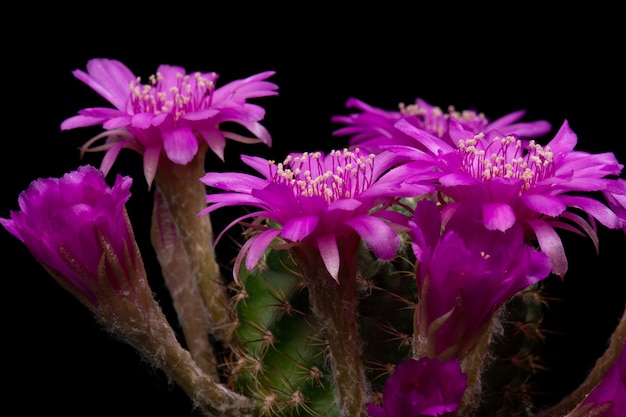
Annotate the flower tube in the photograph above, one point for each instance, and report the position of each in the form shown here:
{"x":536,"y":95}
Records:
{"x":78,"y":229}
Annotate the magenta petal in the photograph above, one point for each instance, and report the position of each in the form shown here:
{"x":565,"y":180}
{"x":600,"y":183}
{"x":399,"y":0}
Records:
{"x":233,"y":181}
{"x":109,"y":78}
{"x":117,"y":122}
{"x":543,"y":203}
{"x":377,"y":234}
{"x":596,"y":209}
{"x":201,"y":114}
{"x":298,"y":228}
{"x":498,"y":216}
{"x":327,"y":245}
{"x":563,"y":142}
{"x":150,"y":162}
{"x":260,"y":165}
{"x":142,"y":120}
{"x":258,"y":247}
{"x":81,"y":121}
{"x":180,"y":145}
{"x":551,"y":244}
{"x":432,"y":143}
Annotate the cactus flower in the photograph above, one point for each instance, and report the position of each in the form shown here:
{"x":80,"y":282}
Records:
{"x":170,"y":114}
{"x":318,"y":199}
{"x":458,"y":299}
{"x":425,"y":387}
{"x":543,"y":188}
{"x":72,"y":225}
{"x":77,"y":227}
{"x":373,"y":128}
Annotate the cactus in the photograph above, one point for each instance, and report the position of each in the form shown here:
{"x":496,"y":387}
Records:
{"x":388,"y":295}
{"x":277,"y":357}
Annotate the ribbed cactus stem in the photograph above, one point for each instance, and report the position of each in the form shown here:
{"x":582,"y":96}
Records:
{"x":334,"y":303}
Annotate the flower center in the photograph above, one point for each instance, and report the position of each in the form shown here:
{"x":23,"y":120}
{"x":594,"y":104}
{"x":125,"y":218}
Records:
{"x":505,"y":158}
{"x":344,"y":174}
{"x":190,"y":92}
{"x":436,"y":121}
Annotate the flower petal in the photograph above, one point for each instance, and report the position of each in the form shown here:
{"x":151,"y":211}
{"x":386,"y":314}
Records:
{"x":377,"y":234}
{"x":180,"y":145}
{"x":327,"y":246}
{"x":497,"y":216}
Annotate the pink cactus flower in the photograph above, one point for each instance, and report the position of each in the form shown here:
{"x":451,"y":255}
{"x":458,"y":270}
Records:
{"x":171,"y":114}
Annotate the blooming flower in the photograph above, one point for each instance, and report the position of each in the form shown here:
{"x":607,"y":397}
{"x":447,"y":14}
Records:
{"x":465,"y":274}
{"x":70,"y":224}
{"x":78,"y":229}
{"x":374,"y":128}
{"x":425,"y":387}
{"x":608,"y":398}
{"x":533,"y":187}
{"x":318,"y":199}
{"x":172,"y":113}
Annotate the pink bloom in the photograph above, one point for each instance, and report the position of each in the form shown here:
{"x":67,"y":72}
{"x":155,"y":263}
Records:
{"x":318,"y":199}
{"x":374,"y":128}
{"x":617,"y":201}
{"x":70,"y":223}
{"x":171,"y":114}
{"x":465,"y":273}
{"x":420,"y":388}
{"x":608,"y":398}
{"x":541,"y":188}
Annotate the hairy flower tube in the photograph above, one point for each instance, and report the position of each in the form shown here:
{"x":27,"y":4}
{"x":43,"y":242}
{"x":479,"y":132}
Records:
{"x":319,"y":200}
{"x":420,"y":388}
{"x":458,"y":299}
{"x":77,"y":227}
{"x":543,"y":188}
{"x":374,"y":128}
{"x":171,"y":114}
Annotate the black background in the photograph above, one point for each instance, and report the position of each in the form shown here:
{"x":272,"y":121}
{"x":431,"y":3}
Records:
{"x":565,"y":64}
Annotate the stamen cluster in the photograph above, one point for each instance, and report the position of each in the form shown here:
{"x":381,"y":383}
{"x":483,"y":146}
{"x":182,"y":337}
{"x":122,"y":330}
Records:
{"x":504,"y":157}
{"x":435,"y":120}
{"x":344,"y":174}
{"x":191,"y":92}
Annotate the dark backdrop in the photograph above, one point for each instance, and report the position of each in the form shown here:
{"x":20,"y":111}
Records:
{"x":57,"y":360}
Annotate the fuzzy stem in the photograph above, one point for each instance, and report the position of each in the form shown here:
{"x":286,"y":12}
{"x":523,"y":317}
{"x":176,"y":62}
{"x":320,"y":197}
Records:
{"x":187,"y":300}
{"x":335,"y":306}
{"x":184,"y":197}
{"x":157,"y":344}
{"x":128,"y":310}
{"x":602,"y":365}
{"x":473,"y":364}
